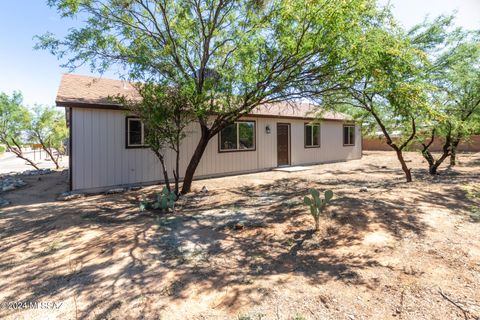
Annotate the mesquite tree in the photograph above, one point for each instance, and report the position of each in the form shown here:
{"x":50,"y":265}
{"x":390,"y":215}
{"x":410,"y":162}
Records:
{"x":459,"y":86}
{"x":387,"y":85}
{"x":229,"y":55}
{"x":165,"y":113}
{"x":454,"y":77}
{"x":48,"y":128}
{"x":14,"y":121}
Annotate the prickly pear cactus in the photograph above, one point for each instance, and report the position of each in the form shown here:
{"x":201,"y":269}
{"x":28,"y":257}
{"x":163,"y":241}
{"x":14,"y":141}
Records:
{"x":144,"y":204}
{"x":164,"y":201}
{"x":317,"y":204}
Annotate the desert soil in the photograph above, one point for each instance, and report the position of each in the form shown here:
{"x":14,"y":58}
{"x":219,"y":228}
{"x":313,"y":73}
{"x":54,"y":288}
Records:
{"x":246,"y":249}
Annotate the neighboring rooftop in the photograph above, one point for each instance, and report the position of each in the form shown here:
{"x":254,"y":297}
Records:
{"x":86,"y":91}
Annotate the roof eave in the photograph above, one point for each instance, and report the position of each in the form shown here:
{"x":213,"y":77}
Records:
{"x":86,"y":105}
{"x":73,"y":104}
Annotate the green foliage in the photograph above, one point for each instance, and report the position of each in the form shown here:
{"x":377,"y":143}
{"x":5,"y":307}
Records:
{"x":2,"y":149}
{"x":386,"y":87}
{"x":165,"y":112}
{"x":457,"y":80}
{"x":394,"y":87}
{"x":48,"y":127}
{"x":14,"y":119}
{"x":164,"y":201}
{"x":18,"y":125}
{"x":454,"y":97}
{"x":14,"y":123}
{"x":227,"y":56}
{"x":317,"y":204}
{"x":196,"y":44}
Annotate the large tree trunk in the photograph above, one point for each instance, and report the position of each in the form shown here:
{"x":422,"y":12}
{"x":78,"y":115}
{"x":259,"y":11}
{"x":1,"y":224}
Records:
{"x":177,"y":167}
{"x":195,"y":160}
{"x":453,"y":153}
{"x":408,"y":174}
{"x":164,"y":168}
{"x":398,"y":149}
{"x":430,"y":160}
{"x":165,"y":175}
{"x":427,"y":154}
{"x":432,"y":164}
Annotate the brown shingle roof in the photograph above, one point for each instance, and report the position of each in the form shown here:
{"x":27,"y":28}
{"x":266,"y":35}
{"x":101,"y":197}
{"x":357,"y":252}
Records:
{"x":77,"y":91}
{"x":302,"y":110}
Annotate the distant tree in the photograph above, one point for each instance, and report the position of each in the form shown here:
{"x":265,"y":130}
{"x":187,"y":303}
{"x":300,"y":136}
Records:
{"x":48,"y":128}
{"x":229,"y":55}
{"x":387,"y":86}
{"x":455,"y":76}
{"x":14,"y":122}
{"x":165,"y":113}
{"x":460,"y":87}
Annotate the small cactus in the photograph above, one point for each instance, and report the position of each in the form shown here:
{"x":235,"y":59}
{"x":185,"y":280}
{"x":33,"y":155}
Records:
{"x":164,"y":201}
{"x":317,"y":204}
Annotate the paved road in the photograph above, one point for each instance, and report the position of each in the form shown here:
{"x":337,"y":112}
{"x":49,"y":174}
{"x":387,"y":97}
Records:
{"x":10,"y":163}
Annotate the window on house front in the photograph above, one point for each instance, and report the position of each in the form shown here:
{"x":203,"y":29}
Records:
{"x":312,"y":135}
{"x":135,"y":133}
{"x":349,"y":135}
{"x":239,"y":136}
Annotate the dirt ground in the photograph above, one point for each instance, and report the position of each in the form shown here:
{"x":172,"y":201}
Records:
{"x":397,"y":251}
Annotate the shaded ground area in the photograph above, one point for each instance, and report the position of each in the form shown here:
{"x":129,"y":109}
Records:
{"x":246,"y":249}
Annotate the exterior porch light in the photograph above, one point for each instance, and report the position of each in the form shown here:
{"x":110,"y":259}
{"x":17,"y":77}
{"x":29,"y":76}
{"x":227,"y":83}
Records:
{"x":267,"y":129}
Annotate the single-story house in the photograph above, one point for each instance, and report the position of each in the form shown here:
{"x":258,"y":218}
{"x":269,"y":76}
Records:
{"x":107,"y":144}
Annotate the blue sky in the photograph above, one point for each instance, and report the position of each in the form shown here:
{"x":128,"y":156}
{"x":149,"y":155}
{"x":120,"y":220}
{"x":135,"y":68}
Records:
{"x":37,"y":73}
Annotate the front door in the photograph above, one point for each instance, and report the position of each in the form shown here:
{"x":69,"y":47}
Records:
{"x":283,"y":144}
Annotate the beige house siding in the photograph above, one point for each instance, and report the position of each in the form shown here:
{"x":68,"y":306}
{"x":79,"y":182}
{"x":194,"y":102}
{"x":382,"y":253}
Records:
{"x":100,"y":159}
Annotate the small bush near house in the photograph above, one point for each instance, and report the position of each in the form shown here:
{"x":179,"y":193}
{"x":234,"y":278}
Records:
{"x":317,"y":204}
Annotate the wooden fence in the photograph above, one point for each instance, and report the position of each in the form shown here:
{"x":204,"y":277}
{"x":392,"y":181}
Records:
{"x":379,"y":144}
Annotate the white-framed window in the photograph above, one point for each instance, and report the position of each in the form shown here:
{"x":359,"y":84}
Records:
{"x":239,"y":136}
{"x":349,"y":135}
{"x":312,"y":135}
{"x":135,"y":133}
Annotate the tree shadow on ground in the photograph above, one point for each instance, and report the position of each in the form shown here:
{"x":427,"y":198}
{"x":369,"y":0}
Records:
{"x":107,"y":249}
{"x":166,"y":254}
